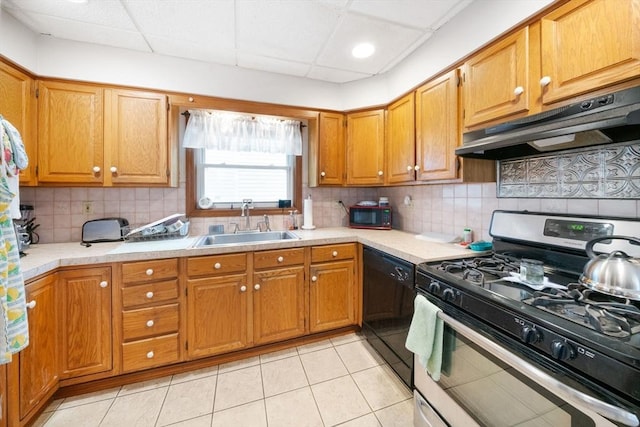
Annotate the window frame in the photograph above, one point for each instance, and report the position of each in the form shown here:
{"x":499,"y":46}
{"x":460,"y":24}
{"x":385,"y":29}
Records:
{"x":181,"y":103}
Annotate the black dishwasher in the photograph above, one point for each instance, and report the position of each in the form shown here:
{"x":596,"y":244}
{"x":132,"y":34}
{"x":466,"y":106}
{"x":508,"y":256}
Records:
{"x":388,"y":294}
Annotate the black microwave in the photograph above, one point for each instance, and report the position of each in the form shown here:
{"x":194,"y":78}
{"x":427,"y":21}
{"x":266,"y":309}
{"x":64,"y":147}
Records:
{"x":374,"y":217}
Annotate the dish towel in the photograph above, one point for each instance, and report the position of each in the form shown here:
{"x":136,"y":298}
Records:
{"x":425,"y":336}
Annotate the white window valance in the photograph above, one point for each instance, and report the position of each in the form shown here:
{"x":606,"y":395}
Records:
{"x":225,"y":131}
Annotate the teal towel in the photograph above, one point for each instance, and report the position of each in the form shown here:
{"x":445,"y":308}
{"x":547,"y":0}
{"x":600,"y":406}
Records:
{"x":425,"y":336}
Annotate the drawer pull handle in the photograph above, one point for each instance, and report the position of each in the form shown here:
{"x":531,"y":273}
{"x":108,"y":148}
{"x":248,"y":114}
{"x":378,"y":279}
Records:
{"x":334,"y":253}
{"x":256,"y":286}
{"x":149,"y":295}
{"x":150,"y":323}
{"x":149,"y":272}
{"x":150,"y":355}
{"x":243,"y":288}
{"x":31,"y":304}
{"x":280,"y":259}
{"x":314,"y":278}
{"x":217,"y":266}
{"x":104,"y":284}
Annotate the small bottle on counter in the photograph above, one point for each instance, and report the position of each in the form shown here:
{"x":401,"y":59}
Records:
{"x":467,"y":236}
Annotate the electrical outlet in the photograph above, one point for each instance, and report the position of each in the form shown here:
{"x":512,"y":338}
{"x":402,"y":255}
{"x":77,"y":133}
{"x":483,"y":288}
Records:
{"x":87,"y":208}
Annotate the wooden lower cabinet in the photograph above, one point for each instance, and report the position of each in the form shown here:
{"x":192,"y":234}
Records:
{"x":278,"y":304}
{"x":3,"y":396}
{"x":217,"y":315}
{"x":332,"y":294}
{"x":86,"y":321}
{"x":34,"y":372}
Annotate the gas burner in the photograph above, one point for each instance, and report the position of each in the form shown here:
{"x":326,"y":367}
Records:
{"x":613,"y":316}
{"x":482,"y":269}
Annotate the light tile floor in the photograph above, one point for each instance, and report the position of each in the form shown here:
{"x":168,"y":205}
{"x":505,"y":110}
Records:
{"x":340,"y":381}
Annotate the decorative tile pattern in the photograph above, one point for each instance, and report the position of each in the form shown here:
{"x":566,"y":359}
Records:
{"x":608,"y":172}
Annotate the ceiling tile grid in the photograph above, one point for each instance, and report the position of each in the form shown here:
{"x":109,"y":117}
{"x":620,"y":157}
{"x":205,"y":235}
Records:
{"x":305,"y":38}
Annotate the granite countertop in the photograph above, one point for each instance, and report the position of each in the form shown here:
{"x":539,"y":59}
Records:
{"x":43,"y":258}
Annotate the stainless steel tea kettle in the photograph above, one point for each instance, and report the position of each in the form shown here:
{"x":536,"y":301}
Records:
{"x":615,"y":274}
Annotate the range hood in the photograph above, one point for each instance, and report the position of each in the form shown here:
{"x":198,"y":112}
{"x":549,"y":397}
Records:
{"x":601,"y":120}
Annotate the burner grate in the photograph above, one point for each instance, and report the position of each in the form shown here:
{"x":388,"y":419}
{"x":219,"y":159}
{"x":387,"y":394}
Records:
{"x":612,"y":316}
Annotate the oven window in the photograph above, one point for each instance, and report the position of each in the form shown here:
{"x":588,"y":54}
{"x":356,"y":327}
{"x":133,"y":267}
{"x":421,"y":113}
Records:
{"x":495,"y":394}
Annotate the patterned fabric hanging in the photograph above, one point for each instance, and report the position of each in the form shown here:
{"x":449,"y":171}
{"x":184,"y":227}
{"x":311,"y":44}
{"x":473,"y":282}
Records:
{"x":14,"y":328}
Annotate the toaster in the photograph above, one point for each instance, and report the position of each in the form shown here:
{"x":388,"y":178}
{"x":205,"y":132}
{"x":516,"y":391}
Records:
{"x":104,"y":230}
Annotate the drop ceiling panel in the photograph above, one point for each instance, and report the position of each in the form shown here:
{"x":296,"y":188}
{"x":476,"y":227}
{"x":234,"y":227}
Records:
{"x":419,"y":14}
{"x":274,"y":65}
{"x":335,"y":76}
{"x":200,"y":50}
{"x":108,"y":13}
{"x":293,"y":30}
{"x":389,"y":39}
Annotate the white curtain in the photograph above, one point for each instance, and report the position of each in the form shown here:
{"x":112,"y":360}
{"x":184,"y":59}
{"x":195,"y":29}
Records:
{"x":237,"y":132}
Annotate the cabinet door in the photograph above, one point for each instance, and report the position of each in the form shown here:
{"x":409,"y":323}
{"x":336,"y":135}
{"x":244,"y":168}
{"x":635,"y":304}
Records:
{"x":401,"y":140}
{"x":70,"y":133}
{"x":496,"y":80}
{"x":330,"y":152}
{"x":365,"y":148}
{"x":38,"y":376}
{"x":217,"y":315}
{"x":3,"y":396}
{"x":589,"y":44}
{"x":332,"y":296}
{"x":136,"y":134}
{"x":17,"y":99}
{"x":437,"y":133}
{"x":278,"y":304}
{"x":85,"y":321}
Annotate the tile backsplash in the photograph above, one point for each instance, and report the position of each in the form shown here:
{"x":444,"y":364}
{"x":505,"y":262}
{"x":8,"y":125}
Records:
{"x":607,"y":172}
{"x":444,"y":208}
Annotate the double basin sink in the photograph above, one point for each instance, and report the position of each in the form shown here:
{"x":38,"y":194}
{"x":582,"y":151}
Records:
{"x":244,"y":238}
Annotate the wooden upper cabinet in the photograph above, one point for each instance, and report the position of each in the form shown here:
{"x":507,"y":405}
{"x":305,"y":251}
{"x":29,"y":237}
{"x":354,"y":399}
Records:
{"x":330,"y":150}
{"x":496,"y":80}
{"x":400,"y":143}
{"x":588,"y":45}
{"x":89,"y":135}
{"x":136,"y":134}
{"x":365,"y":148}
{"x":70,"y":133}
{"x":17,"y":105}
{"x":437,"y":131}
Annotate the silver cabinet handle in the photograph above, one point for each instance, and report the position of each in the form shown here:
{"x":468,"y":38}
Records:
{"x":563,"y":391}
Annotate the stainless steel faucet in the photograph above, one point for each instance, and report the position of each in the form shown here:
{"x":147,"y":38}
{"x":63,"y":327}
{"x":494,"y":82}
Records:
{"x":247,"y":205}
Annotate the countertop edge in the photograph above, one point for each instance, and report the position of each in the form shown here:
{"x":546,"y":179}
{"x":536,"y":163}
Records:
{"x":43,"y":258}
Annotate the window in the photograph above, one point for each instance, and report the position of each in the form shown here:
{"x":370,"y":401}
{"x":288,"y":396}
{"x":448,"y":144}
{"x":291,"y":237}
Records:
{"x":229,"y":177}
{"x":225,"y":178}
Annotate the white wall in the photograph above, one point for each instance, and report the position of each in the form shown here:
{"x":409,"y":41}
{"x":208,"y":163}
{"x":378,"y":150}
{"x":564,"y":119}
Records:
{"x":476,"y":25}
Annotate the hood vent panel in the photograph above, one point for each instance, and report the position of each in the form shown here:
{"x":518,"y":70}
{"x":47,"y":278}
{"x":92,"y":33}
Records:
{"x":597,"y":121}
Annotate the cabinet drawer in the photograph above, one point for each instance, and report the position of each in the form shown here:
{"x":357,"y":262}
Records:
{"x":216,"y":264}
{"x":146,"y":271}
{"x":150,"y":293}
{"x":278,"y":258}
{"x":146,"y":322}
{"x":333,"y":252}
{"x":151,"y":352}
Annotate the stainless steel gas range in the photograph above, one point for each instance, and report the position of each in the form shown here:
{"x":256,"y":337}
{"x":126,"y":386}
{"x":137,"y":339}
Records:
{"x":516,"y":353}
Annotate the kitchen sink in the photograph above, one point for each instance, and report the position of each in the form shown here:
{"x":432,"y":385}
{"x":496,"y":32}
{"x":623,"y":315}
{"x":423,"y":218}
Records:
{"x":244,"y":237}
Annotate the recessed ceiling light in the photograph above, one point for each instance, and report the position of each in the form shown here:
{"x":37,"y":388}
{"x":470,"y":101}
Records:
{"x":363,"y":50}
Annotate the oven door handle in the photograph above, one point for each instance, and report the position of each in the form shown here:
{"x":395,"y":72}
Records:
{"x":558,"y":388}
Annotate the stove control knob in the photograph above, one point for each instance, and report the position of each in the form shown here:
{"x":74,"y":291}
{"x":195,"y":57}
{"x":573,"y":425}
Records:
{"x":434,"y":287}
{"x":530,"y":335}
{"x":448,"y":295}
{"x":562,"y":350}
